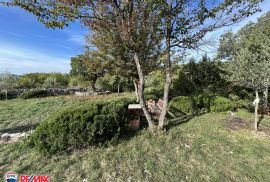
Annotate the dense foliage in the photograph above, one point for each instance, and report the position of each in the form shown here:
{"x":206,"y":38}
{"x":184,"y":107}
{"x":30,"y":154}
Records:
{"x":202,"y":76}
{"x":88,"y":68}
{"x":184,"y":104}
{"x":82,"y":125}
{"x":34,"y":94}
{"x":220,"y":104}
{"x":202,"y":103}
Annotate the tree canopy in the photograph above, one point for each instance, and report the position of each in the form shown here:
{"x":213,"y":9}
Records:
{"x":88,"y":68}
{"x":143,"y":29}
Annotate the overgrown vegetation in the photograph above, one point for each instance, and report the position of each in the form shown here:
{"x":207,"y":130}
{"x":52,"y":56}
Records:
{"x":220,"y":104}
{"x":202,"y":103}
{"x":34,"y":94}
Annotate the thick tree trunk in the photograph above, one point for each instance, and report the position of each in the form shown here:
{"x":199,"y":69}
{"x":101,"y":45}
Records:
{"x":165,"y":98}
{"x":256,"y":110}
{"x":140,"y":92}
{"x":136,"y":90}
{"x":168,"y":81}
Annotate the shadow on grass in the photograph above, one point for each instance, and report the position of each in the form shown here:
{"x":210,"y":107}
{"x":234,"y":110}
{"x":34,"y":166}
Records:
{"x":18,"y":129}
{"x":260,"y":119}
{"x":180,"y":120}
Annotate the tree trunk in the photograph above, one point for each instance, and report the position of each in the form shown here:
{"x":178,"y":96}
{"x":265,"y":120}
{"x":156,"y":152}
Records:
{"x":168,"y":77}
{"x":118,"y":88}
{"x":6,"y":94}
{"x":140,"y":92}
{"x":136,"y":90}
{"x":256,"y":110}
{"x":93,"y":87}
{"x":266,"y":97}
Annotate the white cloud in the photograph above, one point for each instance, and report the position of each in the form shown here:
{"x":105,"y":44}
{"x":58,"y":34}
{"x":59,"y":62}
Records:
{"x":64,"y":46}
{"x":19,"y":13}
{"x":12,"y":33}
{"x":21,"y":60}
{"x":75,"y":37}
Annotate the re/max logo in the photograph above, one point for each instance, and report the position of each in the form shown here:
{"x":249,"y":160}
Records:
{"x":34,"y":179}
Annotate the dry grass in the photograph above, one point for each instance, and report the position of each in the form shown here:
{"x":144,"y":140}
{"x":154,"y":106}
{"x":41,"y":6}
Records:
{"x":22,"y":115}
{"x":202,"y":149}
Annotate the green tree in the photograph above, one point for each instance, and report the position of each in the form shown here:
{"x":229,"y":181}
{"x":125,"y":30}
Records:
{"x":254,"y":37}
{"x":184,"y":24}
{"x":7,"y":82}
{"x":56,"y":80}
{"x":187,"y":22}
{"x":227,"y":46}
{"x":250,"y":70}
{"x":120,"y":57}
{"x":88,"y":68}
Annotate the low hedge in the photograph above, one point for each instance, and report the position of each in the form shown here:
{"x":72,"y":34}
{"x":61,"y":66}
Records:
{"x":2,"y":96}
{"x":221,"y":104}
{"x":10,"y":95}
{"x":202,"y":103}
{"x":82,"y":125}
{"x":35,"y":94}
{"x":184,"y":104}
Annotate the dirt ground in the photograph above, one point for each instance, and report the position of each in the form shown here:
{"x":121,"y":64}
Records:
{"x":237,"y":123}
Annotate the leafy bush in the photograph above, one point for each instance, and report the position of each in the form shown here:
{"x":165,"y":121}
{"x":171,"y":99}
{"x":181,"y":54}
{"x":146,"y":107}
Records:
{"x":82,"y":125}
{"x":34,"y":94}
{"x":10,"y":95}
{"x":2,"y":96}
{"x":203,"y":101}
{"x":153,"y":93}
{"x":238,"y":102}
{"x":183,"y":85}
{"x":220,"y":104}
{"x":184,"y":104}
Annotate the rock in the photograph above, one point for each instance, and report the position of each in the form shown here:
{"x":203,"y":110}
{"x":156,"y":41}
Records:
{"x":12,"y":137}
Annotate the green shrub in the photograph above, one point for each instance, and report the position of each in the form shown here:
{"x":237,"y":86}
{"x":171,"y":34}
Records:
{"x":203,"y":101}
{"x":220,"y":104}
{"x":10,"y":95}
{"x":2,"y":96}
{"x":151,"y":96}
{"x":34,"y":94}
{"x":184,"y":104}
{"x":82,"y":125}
{"x":153,"y":93}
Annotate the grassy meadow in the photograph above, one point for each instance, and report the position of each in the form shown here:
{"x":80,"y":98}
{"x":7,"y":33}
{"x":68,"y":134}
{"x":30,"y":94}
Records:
{"x":22,"y":115}
{"x":210,"y":147}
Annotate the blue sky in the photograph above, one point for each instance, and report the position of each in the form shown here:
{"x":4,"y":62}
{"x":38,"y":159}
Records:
{"x":212,"y":39}
{"x":28,"y":46}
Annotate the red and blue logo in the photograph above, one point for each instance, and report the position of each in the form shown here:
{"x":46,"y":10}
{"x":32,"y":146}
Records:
{"x":34,"y":179}
{"x":11,"y":177}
